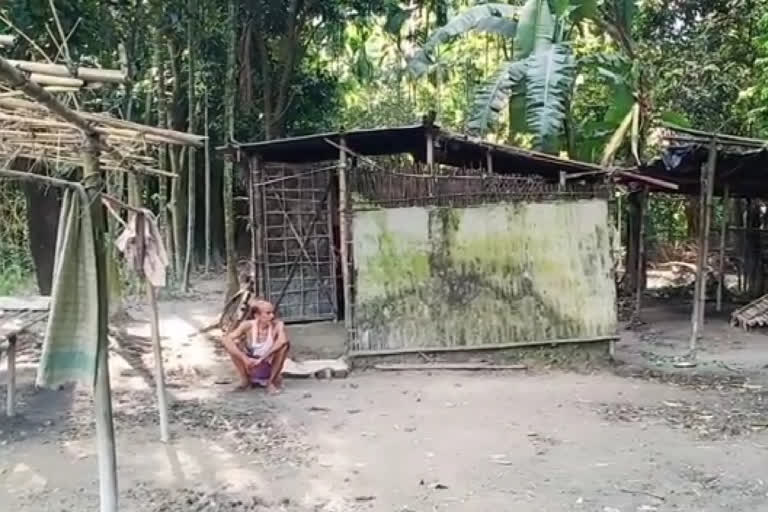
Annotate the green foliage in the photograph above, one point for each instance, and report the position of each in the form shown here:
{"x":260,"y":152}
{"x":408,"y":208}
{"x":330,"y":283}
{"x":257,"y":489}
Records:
{"x":549,"y":79}
{"x":491,"y":18}
{"x":491,"y":99}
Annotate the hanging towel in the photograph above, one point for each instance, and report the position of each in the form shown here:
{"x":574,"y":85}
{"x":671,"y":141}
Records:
{"x":71,"y":347}
{"x":153,"y":262}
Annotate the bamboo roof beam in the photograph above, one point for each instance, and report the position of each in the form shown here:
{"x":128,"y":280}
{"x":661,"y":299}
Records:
{"x":6,"y":41}
{"x":720,"y":138}
{"x":59,"y":70}
{"x":171,"y":136}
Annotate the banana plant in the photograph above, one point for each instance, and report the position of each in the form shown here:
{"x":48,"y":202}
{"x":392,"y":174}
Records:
{"x":538,"y":80}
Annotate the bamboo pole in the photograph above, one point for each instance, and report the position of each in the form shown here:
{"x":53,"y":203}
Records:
{"x":721,"y":261}
{"x":478,"y":348}
{"x":105,"y":433}
{"x":720,"y":137}
{"x":258,"y":192}
{"x":207,"y":188}
{"x":6,"y":41}
{"x":343,"y":236}
{"x":640,"y":263}
{"x":58,"y":81}
{"x":10,"y":407}
{"x":705,"y":212}
{"x":59,"y":70}
{"x":249,"y":169}
{"x":157,"y":349}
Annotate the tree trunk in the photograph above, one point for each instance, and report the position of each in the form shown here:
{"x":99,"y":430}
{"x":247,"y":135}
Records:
{"x":692,"y":218}
{"x":230,"y":88}
{"x":634,"y":213}
{"x":207,"y":188}
{"x":162,"y":117}
{"x":178,"y":199}
{"x":43,"y":205}
{"x":192,"y":126}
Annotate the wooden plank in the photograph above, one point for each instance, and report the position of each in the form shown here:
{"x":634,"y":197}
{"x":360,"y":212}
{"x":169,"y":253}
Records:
{"x":448,"y":366}
{"x":33,"y":303}
{"x":18,"y":323}
{"x":479,"y":347}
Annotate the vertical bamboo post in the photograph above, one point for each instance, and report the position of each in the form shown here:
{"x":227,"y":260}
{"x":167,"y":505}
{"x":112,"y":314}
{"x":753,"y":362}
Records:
{"x":157,"y":349}
{"x":640,"y":283}
{"x":207,"y":188}
{"x":705,"y":211}
{"x":343,"y":236}
{"x":258,"y":213}
{"x":249,"y":175}
{"x":721,"y":261}
{"x":105,"y":432}
{"x":10,"y":407}
{"x":489,"y":162}
{"x":430,"y":150}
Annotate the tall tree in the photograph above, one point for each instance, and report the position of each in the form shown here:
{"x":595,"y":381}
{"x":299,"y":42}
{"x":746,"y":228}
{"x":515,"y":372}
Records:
{"x":230,"y":91}
{"x":275,"y":39}
{"x":192,"y":16}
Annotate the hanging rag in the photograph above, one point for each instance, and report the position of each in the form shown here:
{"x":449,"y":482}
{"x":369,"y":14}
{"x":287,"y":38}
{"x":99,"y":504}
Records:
{"x":144,"y":254}
{"x":71,"y":345}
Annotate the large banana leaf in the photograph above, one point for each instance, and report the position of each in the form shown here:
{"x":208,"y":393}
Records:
{"x":493,"y":18}
{"x":535,"y":29}
{"x":609,"y":153}
{"x":493,"y":96}
{"x":549,"y":81}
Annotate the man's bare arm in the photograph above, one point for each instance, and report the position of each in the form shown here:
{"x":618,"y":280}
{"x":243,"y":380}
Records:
{"x":231,"y":338}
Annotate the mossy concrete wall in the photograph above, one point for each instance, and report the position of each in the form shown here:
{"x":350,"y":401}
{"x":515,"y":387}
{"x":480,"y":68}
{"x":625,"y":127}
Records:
{"x":502,"y":273}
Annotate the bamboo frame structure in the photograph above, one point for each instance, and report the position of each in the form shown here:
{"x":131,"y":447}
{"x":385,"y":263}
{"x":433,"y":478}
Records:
{"x":343,"y":237}
{"x":721,"y":259}
{"x":705,"y":214}
{"x":49,"y":131}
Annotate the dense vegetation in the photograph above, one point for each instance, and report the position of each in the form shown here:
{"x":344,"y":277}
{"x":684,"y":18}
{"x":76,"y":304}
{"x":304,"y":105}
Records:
{"x":581,"y":78}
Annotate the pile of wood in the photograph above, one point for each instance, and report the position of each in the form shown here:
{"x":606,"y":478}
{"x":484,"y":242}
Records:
{"x":754,"y":314}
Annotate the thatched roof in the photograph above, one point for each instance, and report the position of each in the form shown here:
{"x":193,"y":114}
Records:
{"x":28,"y":130}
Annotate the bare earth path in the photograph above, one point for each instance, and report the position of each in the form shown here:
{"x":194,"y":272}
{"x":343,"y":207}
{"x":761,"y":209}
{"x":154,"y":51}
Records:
{"x":525,"y":441}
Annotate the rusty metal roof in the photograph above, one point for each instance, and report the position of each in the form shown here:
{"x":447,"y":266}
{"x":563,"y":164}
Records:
{"x":450,"y":149}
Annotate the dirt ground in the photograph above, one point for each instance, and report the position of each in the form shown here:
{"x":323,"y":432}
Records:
{"x":636,"y":436}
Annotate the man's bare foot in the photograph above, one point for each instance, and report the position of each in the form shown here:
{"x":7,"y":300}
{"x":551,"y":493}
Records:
{"x":272,"y":389}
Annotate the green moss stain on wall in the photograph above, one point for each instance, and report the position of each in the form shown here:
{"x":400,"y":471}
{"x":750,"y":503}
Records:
{"x":494,"y":274}
{"x":391,"y":251}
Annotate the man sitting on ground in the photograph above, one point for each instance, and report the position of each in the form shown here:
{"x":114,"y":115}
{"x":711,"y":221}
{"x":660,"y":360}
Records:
{"x":258,"y":347}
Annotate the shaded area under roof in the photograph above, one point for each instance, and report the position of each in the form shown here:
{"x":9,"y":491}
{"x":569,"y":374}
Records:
{"x":450,"y":149}
{"x":744,"y":170}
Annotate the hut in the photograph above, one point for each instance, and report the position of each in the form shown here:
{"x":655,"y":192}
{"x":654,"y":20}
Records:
{"x":714,"y":168}
{"x":422,"y":240}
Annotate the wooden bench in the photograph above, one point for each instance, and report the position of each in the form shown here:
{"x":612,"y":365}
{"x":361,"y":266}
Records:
{"x":17,"y":315}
